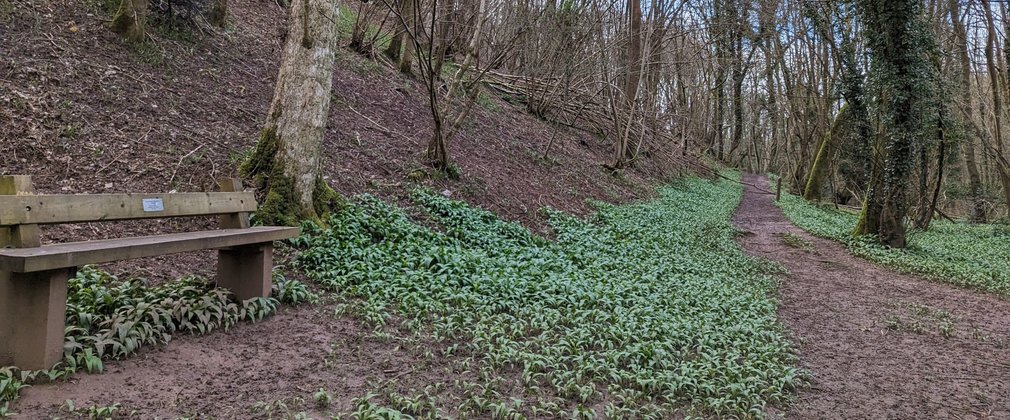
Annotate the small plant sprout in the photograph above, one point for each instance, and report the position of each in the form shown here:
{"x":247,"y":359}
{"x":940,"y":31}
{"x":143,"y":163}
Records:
{"x":322,"y":398}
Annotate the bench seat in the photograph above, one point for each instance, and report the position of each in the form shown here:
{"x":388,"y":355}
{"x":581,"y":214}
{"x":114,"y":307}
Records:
{"x":76,"y":254}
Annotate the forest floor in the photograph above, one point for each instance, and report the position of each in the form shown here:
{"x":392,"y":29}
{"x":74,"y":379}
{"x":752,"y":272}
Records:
{"x":879,"y":343}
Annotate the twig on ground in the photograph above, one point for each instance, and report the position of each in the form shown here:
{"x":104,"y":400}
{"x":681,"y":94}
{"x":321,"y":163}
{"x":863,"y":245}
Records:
{"x":177,"y":165}
{"x":380,"y":126}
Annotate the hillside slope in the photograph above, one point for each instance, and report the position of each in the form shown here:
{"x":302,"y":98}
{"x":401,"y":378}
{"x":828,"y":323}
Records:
{"x":84,"y":112}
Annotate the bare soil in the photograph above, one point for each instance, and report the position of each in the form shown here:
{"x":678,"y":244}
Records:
{"x":269,"y":369}
{"x":879,"y":344}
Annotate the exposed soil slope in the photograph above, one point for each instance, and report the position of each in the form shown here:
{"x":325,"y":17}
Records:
{"x":879,"y":344}
{"x":84,"y":112}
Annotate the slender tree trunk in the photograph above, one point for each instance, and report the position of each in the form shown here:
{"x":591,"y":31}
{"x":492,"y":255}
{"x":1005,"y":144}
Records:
{"x":407,"y":12}
{"x":926,"y":212}
{"x":131,"y":20}
{"x":287,"y":156}
{"x":974,"y":180}
{"x":359,"y":41}
{"x":633,"y":79}
{"x":997,"y":101}
{"x":740,"y":18}
{"x":396,"y":42}
{"x":719,"y":22}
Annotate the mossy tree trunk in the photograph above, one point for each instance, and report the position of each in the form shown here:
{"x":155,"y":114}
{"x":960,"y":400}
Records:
{"x":396,"y":42}
{"x":130,"y":20}
{"x":825,"y":155}
{"x":218,"y":13}
{"x":287,"y":156}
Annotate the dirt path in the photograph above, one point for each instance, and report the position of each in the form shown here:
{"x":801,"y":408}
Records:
{"x":879,"y":344}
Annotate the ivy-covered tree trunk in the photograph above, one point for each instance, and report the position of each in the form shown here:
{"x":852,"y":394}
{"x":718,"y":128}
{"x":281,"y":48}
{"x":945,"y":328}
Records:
{"x":287,"y":156}
{"x":130,"y":20}
{"x":897,"y":39}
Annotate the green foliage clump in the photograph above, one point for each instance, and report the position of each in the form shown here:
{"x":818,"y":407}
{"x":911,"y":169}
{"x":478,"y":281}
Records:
{"x":111,"y":319}
{"x":969,"y":255}
{"x":292,"y":292}
{"x":651,"y":306}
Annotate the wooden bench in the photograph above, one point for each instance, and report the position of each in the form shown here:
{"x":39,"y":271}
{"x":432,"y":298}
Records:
{"x":33,"y":277}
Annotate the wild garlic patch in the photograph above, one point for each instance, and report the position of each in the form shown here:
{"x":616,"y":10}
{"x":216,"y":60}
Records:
{"x":644,"y":309}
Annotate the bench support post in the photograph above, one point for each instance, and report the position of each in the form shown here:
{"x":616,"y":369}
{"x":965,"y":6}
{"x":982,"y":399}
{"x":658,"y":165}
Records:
{"x":33,"y":321}
{"x":32,"y":305}
{"x":246,"y":270}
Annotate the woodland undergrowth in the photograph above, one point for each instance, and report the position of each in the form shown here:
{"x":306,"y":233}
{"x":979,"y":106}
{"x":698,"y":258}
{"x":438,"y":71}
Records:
{"x":644,"y":310}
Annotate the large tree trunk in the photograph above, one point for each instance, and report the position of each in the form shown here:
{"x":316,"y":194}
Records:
{"x":899,"y":59}
{"x":131,"y":20}
{"x":287,"y":155}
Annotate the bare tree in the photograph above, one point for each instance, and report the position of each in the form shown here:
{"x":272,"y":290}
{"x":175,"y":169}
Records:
{"x":287,"y":156}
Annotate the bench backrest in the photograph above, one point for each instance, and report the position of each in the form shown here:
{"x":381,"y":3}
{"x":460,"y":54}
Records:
{"x":55,"y":209}
{"x":21,"y":211}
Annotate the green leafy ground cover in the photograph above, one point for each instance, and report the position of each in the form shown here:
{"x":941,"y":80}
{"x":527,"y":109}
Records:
{"x":976,"y":256}
{"x":112,"y":319}
{"x":644,"y":310}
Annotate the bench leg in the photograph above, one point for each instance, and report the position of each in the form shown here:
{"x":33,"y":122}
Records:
{"x":32,"y":325}
{"x":246,"y":270}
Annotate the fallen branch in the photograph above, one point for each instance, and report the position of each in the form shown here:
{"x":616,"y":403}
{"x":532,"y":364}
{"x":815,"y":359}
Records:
{"x":761,"y":190}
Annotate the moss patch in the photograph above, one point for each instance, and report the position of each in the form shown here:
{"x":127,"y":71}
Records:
{"x":261,"y":162}
{"x":281,"y":206}
{"x":326,"y":200}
